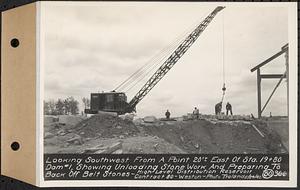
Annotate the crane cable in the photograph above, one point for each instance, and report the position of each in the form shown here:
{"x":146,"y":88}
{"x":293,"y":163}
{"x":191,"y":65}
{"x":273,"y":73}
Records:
{"x":173,"y":45}
{"x":157,"y":58}
{"x":153,"y":61}
{"x":223,"y":58}
{"x":171,"y":48}
{"x":142,"y":72}
{"x":157,"y":61}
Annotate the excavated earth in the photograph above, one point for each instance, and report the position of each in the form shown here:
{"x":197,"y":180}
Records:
{"x":201,"y":136}
{"x":204,"y":136}
{"x":106,"y":126}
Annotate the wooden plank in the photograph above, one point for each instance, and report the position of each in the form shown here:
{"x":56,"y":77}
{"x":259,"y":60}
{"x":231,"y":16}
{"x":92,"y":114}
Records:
{"x":272,"y":76}
{"x":110,"y":149}
{"x":260,"y":133}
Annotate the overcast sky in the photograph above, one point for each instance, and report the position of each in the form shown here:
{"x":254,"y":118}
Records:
{"x":93,"y":47}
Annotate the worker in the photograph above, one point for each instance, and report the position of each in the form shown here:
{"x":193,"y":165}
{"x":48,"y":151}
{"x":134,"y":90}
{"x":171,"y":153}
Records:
{"x":228,"y":108}
{"x":196,"y":113}
{"x":218,"y":108}
{"x":167,"y":114}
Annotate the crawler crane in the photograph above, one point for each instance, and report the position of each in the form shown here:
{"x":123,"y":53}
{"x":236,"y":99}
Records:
{"x":117,"y":101}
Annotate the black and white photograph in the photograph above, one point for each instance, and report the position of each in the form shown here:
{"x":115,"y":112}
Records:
{"x":179,"y":82}
{"x":168,"y":78}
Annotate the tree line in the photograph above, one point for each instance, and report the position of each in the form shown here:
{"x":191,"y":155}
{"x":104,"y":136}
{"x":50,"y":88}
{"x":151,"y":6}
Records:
{"x":68,"y":106}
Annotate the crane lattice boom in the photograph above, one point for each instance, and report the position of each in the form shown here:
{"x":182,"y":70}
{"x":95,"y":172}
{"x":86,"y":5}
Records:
{"x":173,"y":58}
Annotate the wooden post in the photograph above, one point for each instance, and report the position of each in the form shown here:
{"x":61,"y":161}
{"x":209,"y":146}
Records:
{"x":258,"y":94}
{"x":287,"y":77}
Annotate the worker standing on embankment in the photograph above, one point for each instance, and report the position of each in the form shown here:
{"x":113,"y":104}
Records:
{"x":196,"y":113}
{"x":228,"y":108}
{"x":167,"y":114}
{"x":218,"y":108}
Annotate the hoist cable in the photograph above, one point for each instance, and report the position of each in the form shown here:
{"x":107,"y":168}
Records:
{"x":182,"y":38}
{"x":141,"y":70}
{"x":154,"y":59}
{"x":135,"y":73}
{"x":155,"y":62}
{"x":150,"y":70}
{"x":223,"y":58}
{"x":223,"y":43}
{"x":175,"y":45}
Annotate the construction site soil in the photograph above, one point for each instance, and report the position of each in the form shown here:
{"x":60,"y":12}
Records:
{"x":106,"y":126}
{"x":201,"y":136}
{"x":112,"y":134}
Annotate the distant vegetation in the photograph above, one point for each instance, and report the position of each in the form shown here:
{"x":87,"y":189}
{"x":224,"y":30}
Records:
{"x":68,"y":106}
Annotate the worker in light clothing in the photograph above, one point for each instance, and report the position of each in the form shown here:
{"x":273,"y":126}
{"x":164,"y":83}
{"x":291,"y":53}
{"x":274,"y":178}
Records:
{"x":218,"y":108}
{"x":167,"y":114}
{"x":196,"y":113}
{"x":228,"y":108}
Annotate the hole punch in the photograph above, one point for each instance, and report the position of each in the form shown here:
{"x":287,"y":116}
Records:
{"x":15,"y":146}
{"x":14,"y":42}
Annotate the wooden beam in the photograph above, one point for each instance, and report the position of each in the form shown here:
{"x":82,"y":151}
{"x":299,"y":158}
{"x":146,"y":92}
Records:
{"x":272,"y":93}
{"x":268,"y":60}
{"x":285,"y":47}
{"x":258,"y":94}
{"x":272,"y":76}
{"x":287,"y":78}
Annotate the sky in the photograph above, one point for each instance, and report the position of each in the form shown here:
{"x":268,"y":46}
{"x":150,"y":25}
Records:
{"x":93,"y":47}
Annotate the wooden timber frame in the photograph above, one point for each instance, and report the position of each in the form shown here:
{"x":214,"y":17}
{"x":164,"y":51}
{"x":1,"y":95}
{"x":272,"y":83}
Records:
{"x":285,"y":51}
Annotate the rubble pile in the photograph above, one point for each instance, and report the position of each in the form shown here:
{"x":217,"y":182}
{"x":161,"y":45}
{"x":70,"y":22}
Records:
{"x":105,"y":126}
{"x":112,"y":134}
{"x":69,"y":119}
{"x":204,"y":136}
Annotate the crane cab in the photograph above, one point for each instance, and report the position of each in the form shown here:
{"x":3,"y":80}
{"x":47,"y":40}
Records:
{"x":108,"y":102}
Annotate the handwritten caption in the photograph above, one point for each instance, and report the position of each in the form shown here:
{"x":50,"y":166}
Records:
{"x":165,"y":167}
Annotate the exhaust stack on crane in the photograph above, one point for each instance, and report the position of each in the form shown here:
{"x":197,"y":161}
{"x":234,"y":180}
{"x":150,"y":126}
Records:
{"x":117,"y":101}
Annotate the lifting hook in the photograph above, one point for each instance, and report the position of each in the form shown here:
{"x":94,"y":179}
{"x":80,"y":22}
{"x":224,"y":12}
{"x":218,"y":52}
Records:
{"x":224,"y":88}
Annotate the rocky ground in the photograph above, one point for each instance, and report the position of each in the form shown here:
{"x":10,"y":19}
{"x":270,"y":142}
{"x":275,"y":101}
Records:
{"x":108,"y":133}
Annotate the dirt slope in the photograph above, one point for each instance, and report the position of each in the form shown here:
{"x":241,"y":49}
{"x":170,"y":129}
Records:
{"x":192,"y":136}
{"x":201,"y":136}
